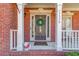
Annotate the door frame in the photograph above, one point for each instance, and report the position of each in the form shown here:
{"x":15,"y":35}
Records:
{"x":32,"y":17}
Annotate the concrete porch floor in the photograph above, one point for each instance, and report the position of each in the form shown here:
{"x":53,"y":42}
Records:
{"x":50,"y":46}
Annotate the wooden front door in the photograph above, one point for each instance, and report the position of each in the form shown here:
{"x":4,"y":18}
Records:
{"x":40,"y":27}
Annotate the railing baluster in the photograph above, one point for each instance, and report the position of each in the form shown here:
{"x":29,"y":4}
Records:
{"x":66,"y":39}
{"x":63,"y":39}
{"x":75,"y":39}
{"x":78,"y":39}
{"x":70,"y":39}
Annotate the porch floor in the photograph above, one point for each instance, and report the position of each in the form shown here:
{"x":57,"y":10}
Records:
{"x":50,"y":46}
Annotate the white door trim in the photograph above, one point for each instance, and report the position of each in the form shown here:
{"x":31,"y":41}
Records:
{"x":42,"y":12}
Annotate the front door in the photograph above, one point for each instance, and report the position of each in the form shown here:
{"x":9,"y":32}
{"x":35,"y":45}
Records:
{"x":40,"y":28}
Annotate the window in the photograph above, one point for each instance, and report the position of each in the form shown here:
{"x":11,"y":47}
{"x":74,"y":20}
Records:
{"x":67,"y":23}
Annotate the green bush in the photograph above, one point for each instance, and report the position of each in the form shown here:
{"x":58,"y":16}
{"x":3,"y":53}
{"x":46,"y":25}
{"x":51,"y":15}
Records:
{"x":71,"y":54}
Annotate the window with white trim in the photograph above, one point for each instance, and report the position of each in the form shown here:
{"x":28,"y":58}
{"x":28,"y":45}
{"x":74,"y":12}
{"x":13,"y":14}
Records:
{"x":67,"y":23}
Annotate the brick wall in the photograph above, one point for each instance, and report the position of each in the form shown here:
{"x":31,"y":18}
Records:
{"x":27,"y":25}
{"x":53,"y":21}
{"x":8,"y":20}
{"x":75,"y":20}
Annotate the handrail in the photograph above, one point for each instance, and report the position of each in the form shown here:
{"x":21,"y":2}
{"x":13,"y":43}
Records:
{"x":70,"y":39}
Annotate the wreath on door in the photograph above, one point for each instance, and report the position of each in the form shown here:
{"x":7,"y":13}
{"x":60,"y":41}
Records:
{"x":40,"y":22}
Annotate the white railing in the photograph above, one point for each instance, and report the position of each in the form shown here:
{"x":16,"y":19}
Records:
{"x":13,"y":39}
{"x":70,"y":39}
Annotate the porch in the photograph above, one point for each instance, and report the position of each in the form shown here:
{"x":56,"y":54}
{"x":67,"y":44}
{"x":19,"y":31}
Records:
{"x":65,"y":38}
{"x":70,"y":41}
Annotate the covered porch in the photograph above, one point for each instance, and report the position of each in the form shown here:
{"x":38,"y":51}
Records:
{"x":70,"y":26}
{"x":29,"y":36}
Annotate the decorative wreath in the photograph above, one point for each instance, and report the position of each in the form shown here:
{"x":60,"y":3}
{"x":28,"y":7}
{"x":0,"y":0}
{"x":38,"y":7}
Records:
{"x":40,"y":22}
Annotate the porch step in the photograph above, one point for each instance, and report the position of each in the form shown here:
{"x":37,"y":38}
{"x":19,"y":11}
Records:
{"x":33,"y":53}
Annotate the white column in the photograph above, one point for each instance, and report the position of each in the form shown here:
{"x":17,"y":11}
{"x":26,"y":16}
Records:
{"x":20,"y":34}
{"x":59,"y":26}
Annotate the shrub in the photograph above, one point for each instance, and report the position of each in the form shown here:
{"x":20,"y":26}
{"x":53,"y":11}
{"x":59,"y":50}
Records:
{"x":71,"y":54}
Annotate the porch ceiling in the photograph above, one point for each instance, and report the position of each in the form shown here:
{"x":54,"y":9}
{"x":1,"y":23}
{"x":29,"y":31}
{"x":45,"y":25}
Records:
{"x":66,"y":6}
{"x":40,"y":5}
{"x":71,"y":7}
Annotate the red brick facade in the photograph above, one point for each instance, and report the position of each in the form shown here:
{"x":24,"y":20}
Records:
{"x":75,"y":21}
{"x":8,"y":20}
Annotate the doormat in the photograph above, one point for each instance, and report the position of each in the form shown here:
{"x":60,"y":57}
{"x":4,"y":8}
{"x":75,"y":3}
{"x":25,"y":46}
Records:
{"x":41,"y":43}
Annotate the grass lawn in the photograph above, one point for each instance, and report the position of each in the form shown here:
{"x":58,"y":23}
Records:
{"x":71,"y":54}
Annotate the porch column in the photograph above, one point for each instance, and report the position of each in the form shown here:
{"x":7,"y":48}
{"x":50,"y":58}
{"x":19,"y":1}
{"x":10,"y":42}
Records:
{"x":59,"y":26}
{"x":20,"y":33}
